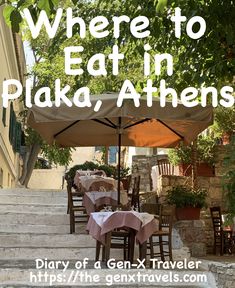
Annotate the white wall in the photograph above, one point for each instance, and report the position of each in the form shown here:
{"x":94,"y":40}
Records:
{"x":46,"y":178}
{"x":82,"y":154}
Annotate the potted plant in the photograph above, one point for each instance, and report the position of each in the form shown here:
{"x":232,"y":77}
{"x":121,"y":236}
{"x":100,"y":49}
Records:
{"x":224,"y":126}
{"x":182,"y":157}
{"x":188,"y":201}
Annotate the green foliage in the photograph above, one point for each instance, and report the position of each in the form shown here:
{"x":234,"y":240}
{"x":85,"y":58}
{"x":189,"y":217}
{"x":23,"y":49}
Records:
{"x":42,"y":164}
{"x":182,"y":196}
{"x":206,"y":146}
{"x":161,"y":5}
{"x":181,"y":154}
{"x":49,"y":66}
{"x":7,"y":14}
{"x":229,"y":181}
{"x":224,"y":121}
{"x":208,"y":60}
{"x":206,"y":152}
{"x":124,"y":172}
{"x":57,"y":155}
{"x":108,"y":169}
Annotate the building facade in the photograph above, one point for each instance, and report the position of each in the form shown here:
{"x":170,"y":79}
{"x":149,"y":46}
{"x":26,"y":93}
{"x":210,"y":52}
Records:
{"x":12,"y":67}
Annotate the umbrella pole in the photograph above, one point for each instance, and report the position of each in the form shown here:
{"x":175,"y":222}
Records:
{"x":119,"y":158}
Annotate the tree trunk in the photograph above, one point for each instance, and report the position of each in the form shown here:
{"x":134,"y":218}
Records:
{"x":29,"y":163}
{"x":194,"y":164}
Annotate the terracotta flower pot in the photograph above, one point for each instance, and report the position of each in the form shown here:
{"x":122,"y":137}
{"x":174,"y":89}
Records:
{"x":187,"y":213}
{"x":203,"y":169}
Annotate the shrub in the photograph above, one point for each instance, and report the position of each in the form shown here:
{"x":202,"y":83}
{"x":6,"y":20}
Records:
{"x":182,"y":196}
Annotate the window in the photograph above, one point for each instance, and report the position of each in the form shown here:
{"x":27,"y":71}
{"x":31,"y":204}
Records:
{"x":15,"y":131}
{"x":4,"y":113}
{"x":113,"y":155}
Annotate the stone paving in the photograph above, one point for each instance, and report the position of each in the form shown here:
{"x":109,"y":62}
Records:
{"x":34,"y":224}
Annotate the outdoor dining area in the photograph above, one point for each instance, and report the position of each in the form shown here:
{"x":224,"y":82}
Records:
{"x":116,"y":217}
{"x":93,"y":199}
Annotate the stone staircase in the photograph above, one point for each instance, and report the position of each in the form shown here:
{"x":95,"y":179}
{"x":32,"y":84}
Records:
{"x":34,"y":224}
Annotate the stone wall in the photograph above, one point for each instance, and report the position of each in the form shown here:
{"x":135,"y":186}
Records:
{"x":224,"y":274}
{"x":142,"y":164}
{"x":216,"y":197}
{"x":214,"y":186}
{"x":190,"y":234}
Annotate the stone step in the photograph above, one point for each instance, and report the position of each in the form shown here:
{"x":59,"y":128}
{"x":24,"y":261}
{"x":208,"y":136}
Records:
{"x":35,"y":192}
{"x":49,"y":253}
{"x":33,"y":219}
{"x":34,"y":209}
{"x":34,"y":229}
{"x":33,"y":200}
{"x":71,"y":278}
{"x":34,"y":224}
{"x":46,"y":241}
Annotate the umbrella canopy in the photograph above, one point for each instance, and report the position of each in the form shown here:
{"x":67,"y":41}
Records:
{"x":138,"y":126}
{"x":125,"y":126}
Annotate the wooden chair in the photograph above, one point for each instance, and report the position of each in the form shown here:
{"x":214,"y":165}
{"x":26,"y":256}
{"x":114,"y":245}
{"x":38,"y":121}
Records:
{"x":151,"y":208}
{"x":119,"y":240}
{"x":165,"y":167}
{"x":164,"y":236}
{"x":77,"y":195}
{"x":135,"y":195}
{"x":222,"y":237}
{"x":77,"y":212}
{"x":128,"y":184}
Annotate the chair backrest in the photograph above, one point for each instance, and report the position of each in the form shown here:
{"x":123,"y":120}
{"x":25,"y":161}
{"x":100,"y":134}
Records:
{"x":166,"y":219}
{"x":129,"y":177}
{"x":165,"y":167}
{"x":151,"y":208}
{"x":216,"y":219}
{"x":135,"y":192}
{"x":69,"y":191}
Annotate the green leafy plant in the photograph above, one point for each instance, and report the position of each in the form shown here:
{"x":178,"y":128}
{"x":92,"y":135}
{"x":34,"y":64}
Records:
{"x":180,"y":154}
{"x":182,"y":196}
{"x":224,"y":121}
{"x":229,"y":182}
{"x":206,"y":152}
{"x":124,"y":172}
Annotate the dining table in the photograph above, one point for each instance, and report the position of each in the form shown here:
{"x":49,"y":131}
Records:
{"x":141,"y":227}
{"x":94,"y":200}
{"x":88,"y":182}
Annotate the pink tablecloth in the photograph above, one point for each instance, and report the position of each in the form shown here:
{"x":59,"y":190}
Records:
{"x":94,"y":183}
{"x":101,"y":223}
{"x":80,"y":173}
{"x":94,"y":199}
